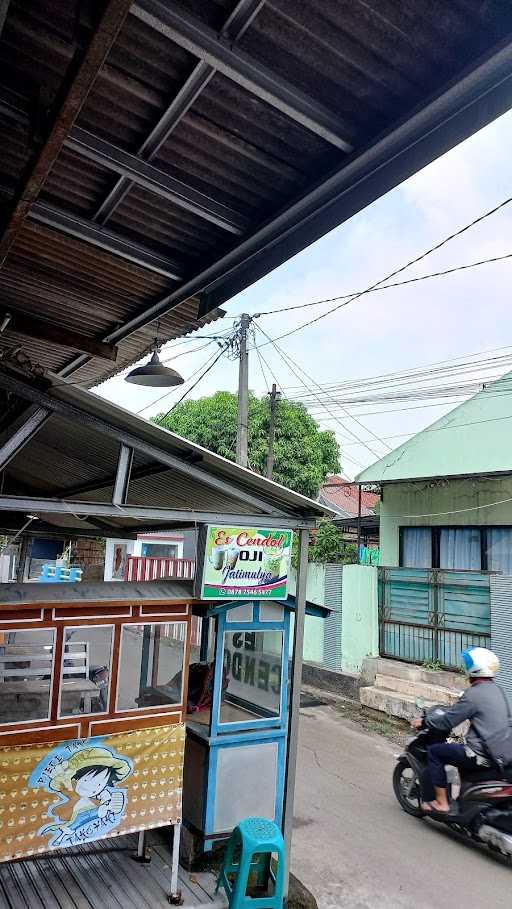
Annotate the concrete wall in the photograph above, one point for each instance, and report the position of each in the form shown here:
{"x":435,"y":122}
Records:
{"x":314,"y":627}
{"x":359,"y":621}
{"x":313,"y":639}
{"x":431,"y":496}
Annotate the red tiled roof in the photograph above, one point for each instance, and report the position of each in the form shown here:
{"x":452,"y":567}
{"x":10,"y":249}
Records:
{"x":339,"y":492}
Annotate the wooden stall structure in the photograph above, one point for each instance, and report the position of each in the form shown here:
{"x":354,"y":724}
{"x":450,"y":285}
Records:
{"x":94,"y":676}
{"x":87,"y":684}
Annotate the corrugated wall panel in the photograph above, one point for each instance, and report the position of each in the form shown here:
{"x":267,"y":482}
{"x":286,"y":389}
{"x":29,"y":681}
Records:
{"x":501,"y":627}
{"x":332,"y":625}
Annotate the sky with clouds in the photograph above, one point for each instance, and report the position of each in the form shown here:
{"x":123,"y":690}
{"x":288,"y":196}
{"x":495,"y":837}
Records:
{"x":399,"y":329}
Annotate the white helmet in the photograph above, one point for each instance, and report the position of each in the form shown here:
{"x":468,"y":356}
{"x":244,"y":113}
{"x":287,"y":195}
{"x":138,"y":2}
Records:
{"x":480,"y":663}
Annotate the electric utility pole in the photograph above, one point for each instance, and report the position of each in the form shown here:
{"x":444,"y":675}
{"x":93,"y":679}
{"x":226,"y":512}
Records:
{"x":243,"y":393}
{"x":274,"y":396}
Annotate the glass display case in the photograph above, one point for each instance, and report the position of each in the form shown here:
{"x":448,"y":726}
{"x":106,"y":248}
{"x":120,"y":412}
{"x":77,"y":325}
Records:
{"x":235,"y":752}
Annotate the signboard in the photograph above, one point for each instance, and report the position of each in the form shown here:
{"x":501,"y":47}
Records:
{"x":58,"y":795}
{"x":242,"y":562}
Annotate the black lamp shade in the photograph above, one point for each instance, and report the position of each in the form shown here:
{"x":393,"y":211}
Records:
{"x":154,"y":374}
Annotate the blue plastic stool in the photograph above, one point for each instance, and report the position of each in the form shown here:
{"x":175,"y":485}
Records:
{"x":253,"y":836}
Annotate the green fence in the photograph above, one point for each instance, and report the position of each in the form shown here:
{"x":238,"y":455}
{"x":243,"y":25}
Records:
{"x":431,"y":615}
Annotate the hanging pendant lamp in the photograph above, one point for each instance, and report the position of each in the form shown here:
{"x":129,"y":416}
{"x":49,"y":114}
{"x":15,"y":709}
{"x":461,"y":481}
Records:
{"x":154,"y":374}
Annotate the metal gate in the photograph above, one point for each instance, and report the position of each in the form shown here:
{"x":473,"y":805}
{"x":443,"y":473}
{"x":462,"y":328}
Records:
{"x":431,"y":615}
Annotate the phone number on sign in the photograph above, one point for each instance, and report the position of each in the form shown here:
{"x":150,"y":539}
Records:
{"x":245,"y":591}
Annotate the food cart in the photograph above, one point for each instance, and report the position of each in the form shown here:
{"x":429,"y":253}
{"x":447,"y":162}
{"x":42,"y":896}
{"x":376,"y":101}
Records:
{"x":100,"y":731}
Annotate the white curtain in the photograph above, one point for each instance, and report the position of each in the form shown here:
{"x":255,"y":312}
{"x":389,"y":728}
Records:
{"x":417,"y":547}
{"x":460,"y":548}
{"x":499,"y":549}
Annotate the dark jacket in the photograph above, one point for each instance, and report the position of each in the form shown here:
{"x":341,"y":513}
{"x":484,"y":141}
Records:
{"x":484,"y":705}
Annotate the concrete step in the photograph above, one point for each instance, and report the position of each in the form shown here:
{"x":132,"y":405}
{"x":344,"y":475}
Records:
{"x":437,"y":694}
{"x":391,"y":702}
{"x":373,"y":666}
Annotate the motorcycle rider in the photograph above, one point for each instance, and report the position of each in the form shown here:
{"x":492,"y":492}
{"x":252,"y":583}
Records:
{"x":484,"y":705}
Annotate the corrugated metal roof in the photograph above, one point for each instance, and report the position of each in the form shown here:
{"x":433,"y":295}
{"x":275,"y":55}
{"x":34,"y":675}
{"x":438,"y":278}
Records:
{"x":167,"y":591}
{"x":265,"y":125}
{"x":74,"y":457}
{"x":343,"y":496}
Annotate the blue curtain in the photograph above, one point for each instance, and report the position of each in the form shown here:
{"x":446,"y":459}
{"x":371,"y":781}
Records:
{"x":417,"y":547}
{"x":499,"y":549}
{"x":460,"y":548}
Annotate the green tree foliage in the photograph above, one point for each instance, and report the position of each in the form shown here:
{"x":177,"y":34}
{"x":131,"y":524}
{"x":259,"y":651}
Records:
{"x":326,"y":544}
{"x":329,"y":545}
{"x":303,"y":453}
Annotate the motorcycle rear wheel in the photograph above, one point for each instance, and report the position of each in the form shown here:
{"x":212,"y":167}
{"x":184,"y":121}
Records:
{"x":406,"y":787}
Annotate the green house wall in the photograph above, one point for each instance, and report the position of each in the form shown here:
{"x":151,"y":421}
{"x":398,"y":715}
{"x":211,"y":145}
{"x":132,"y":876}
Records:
{"x":427,"y":500}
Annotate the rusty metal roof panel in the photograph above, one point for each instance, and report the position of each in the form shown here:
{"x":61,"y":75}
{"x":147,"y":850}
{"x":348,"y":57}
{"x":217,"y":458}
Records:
{"x":166,"y":226}
{"x":137,"y":82}
{"x":75,"y":187}
{"x":271,"y":121}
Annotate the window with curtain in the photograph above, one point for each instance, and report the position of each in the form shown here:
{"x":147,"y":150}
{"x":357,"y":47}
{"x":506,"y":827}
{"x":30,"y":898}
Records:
{"x":417,"y":547}
{"x":460,"y":548}
{"x":499,"y":549}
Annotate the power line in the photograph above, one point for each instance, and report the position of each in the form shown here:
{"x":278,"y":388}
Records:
{"x":288,"y":362}
{"x":440,"y":514}
{"x":419,"y":374}
{"x":272,"y":373}
{"x":207,"y":370}
{"x":420,"y":394}
{"x":360,"y":293}
{"x":263,"y":373}
{"x":366,"y":428}
{"x":450,"y":426}
{"x":184,"y":353}
{"x":402,"y":268}
{"x":167,"y":393}
{"x":348,"y":457}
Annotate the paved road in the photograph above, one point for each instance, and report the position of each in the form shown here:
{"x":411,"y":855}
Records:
{"x":354,"y":847}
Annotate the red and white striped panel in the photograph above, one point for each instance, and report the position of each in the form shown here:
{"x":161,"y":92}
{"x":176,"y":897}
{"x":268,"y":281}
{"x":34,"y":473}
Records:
{"x":146,"y":568}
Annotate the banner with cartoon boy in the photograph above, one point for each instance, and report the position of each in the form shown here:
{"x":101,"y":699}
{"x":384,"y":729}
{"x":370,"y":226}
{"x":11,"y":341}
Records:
{"x":58,"y":795}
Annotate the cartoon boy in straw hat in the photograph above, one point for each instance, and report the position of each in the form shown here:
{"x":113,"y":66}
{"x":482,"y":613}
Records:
{"x":92,"y":804}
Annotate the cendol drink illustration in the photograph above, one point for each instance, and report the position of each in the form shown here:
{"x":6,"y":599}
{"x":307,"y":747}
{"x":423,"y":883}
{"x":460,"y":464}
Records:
{"x":240,"y":562}
{"x":232,"y":556}
{"x":273,"y":563}
{"x":217,"y":557}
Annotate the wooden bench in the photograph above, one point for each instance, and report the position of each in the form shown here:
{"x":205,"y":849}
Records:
{"x":26,"y":669}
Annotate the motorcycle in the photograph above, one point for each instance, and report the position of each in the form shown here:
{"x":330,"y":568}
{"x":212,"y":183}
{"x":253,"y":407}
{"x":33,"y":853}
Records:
{"x":481,"y":810}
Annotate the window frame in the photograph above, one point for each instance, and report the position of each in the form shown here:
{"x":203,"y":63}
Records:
{"x":436,"y":542}
{"x":142,"y":710}
{"x":79,"y":716}
{"x":255,"y":718}
{"x":46,"y":719}
{"x":264,"y":725}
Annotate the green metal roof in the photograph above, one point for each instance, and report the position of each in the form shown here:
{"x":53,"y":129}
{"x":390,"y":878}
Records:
{"x":474,"y":438}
